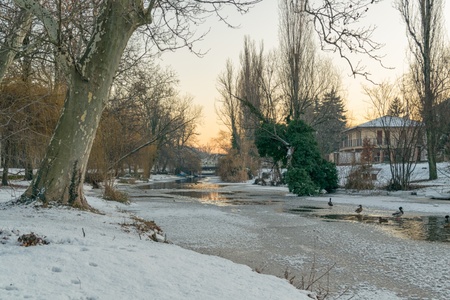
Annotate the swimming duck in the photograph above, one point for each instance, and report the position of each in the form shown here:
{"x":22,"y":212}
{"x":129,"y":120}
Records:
{"x":330,"y":203}
{"x":382,"y":220}
{"x":447,"y":224}
{"x":359,"y":209}
{"x":398,"y":213}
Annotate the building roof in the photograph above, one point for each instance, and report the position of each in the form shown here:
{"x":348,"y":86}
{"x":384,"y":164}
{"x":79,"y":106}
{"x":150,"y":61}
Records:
{"x":386,"y":121}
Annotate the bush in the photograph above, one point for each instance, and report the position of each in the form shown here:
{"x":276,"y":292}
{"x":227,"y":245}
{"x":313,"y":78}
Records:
{"x":359,"y":178}
{"x":231,"y":168}
{"x":300,"y":183}
{"x":308,"y":172}
{"x":94,"y":178}
{"x":326,"y":176}
{"x":394,"y":185}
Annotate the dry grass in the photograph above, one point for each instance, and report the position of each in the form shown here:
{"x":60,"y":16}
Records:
{"x":113,"y":194}
{"x":130,"y":180}
{"x":31,"y":239}
{"x":144,"y":228}
{"x":359,"y":178}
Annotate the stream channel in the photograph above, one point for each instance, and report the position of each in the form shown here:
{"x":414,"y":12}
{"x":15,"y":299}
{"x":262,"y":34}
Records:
{"x":343,"y":255}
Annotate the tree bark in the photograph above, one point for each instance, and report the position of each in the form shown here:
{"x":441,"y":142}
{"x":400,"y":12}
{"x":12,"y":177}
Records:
{"x":5,"y":154}
{"x":61,"y":174}
{"x":427,"y":14}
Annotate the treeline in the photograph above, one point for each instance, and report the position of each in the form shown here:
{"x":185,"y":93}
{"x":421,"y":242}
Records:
{"x":146,"y":124}
{"x":75,"y":54}
{"x":294,"y":86}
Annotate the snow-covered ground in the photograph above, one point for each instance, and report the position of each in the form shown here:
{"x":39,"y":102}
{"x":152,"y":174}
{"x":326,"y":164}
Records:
{"x":91,"y":256}
{"x":102,"y":256}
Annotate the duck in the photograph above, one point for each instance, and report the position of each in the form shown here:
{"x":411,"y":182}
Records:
{"x":330,"y":203}
{"x":359,"y":209}
{"x":447,"y":224}
{"x":399,"y":212}
{"x":382,"y":220}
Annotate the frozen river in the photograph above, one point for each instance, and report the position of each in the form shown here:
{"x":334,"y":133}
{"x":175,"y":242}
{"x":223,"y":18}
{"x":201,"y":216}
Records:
{"x":276,"y":233}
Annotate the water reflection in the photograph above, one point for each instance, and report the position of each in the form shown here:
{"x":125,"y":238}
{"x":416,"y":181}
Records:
{"x":222,"y":198}
{"x":185,"y":183}
{"x":305,"y":208}
{"x":429,"y":228}
{"x":202,"y":196}
{"x":207,"y":192}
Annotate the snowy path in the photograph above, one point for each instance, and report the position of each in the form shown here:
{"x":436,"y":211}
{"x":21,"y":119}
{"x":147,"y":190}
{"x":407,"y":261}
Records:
{"x":370,"y":262}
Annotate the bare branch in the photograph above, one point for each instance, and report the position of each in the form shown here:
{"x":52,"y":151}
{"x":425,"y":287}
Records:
{"x":334,"y":22}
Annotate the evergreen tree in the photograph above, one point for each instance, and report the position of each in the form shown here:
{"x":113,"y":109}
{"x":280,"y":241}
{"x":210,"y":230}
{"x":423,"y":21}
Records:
{"x":308,"y":172}
{"x":396,"y":108}
{"x":331,"y":121}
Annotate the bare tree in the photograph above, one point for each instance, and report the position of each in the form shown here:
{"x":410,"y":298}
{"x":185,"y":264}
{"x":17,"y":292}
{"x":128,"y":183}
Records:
{"x":229,"y":110}
{"x":271,"y":92}
{"x":298,"y":56}
{"x":249,"y":87}
{"x":403,"y":136}
{"x":337,"y":25}
{"x":305,"y":76}
{"x":424,"y":27}
{"x":180,"y":134}
{"x":145,"y":111}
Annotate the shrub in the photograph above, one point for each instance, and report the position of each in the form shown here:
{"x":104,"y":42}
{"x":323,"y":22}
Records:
{"x":394,"y":185}
{"x":308,"y":172}
{"x":94,"y":178}
{"x":359,"y":178}
{"x":130,"y":180}
{"x":114,"y":194}
{"x":231,"y":168}
{"x":326,"y":176}
{"x":300,"y":183}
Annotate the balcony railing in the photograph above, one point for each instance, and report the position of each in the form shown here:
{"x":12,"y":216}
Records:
{"x":359,"y":143}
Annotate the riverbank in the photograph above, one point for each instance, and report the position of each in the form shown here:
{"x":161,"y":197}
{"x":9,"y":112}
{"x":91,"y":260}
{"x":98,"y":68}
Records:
{"x":62,"y":253}
{"x":260,"y":227}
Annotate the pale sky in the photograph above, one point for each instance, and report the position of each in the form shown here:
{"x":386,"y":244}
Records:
{"x":198,"y":76}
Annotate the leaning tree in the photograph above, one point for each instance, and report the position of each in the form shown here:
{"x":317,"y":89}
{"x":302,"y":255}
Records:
{"x":89,"y":38}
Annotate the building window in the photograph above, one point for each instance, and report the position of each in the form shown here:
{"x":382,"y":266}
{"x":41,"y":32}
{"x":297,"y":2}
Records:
{"x":379,"y":137}
{"x":387,"y":137}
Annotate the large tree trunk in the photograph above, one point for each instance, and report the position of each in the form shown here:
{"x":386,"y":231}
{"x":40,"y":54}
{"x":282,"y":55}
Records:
{"x":61,"y":174}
